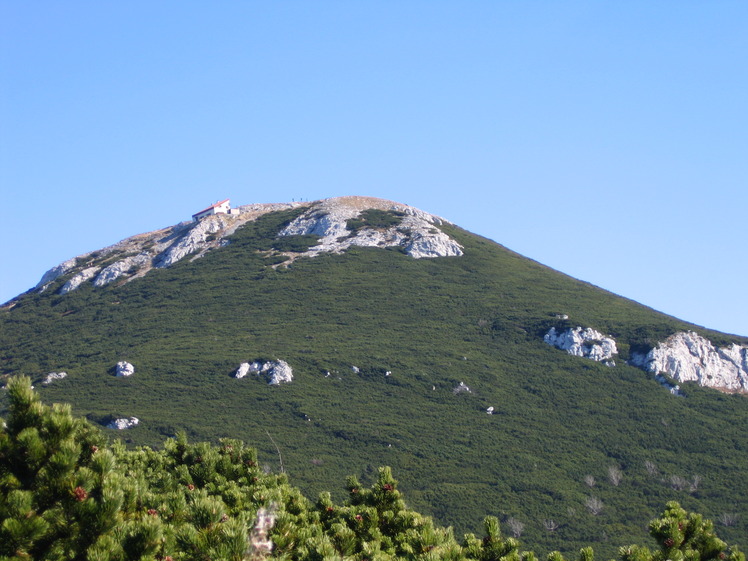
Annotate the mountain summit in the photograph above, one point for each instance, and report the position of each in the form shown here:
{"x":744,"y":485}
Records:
{"x":339,"y":223}
{"x":344,"y":334}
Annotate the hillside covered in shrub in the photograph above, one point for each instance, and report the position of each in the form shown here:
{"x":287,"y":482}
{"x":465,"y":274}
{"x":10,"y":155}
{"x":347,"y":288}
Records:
{"x":65,"y":494}
{"x":396,"y":361}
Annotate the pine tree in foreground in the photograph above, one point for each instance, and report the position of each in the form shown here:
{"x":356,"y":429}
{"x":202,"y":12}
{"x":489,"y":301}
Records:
{"x":67,"y":496}
{"x":59,"y":490}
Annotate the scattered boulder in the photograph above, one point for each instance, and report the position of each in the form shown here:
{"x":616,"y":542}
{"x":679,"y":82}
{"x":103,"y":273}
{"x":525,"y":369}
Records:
{"x":242,"y":371}
{"x":124,"y":369}
{"x":277,"y":371}
{"x":584,"y":342}
{"x":123,"y":423}
{"x":461,"y":388}
{"x":52,"y":376}
{"x":490,"y":410}
{"x":688,"y":357}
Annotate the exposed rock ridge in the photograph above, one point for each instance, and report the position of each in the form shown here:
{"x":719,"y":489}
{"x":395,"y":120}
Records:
{"x":688,"y":357}
{"x":584,"y":342}
{"x":416,"y":233}
{"x":134,"y":257}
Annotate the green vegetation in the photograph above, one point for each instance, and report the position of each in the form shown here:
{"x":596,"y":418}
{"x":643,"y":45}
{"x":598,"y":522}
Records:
{"x":65,"y":495}
{"x":477,"y":319}
{"x":297,"y":244}
{"x":375,"y":218}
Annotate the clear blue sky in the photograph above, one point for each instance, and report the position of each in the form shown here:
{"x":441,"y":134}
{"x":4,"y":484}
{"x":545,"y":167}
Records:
{"x":608,"y":140}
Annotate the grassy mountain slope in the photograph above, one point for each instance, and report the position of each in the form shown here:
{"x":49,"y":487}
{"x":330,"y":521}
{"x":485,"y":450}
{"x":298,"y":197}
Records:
{"x":477,"y":319}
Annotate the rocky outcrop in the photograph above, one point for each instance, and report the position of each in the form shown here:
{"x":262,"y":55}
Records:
{"x":123,"y":423}
{"x":688,"y":357}
{"x":124,"y":369}
{"x":280,"y":373}
{"x":78,"y":279}
{"x":55,"y":272}
{"x":136,"y":256}
{"x":112,"y":272}
{"x":196,"y":239}
{"x":416,"y":232}
{"x":277,"y":371}
{"x":430,"y":244}
{"x":584,"y":342}
{"x":242,"y":371}
{"x":52,"y":376}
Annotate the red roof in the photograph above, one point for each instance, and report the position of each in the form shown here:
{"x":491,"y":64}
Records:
{"x":211,"y":207}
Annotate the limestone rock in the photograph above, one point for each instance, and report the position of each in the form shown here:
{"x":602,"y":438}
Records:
{"x":52,"y":376}
{"x":123,"y":423}
{"x":55,"y":272}
{"x":242,"y":371}
{"x":78,"y":279}
{"x":416,"y":233}
{"x":277,"y":371}
{"x":584,"y":342}
{"x":124,"y":369}
{"x":688,"y":357}
{"x":280,"y":373}
{"x":196,"y":239}
{"x":427,"y":242}
{"x":114,"y":271}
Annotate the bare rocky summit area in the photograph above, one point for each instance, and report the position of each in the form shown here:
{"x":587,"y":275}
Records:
{"x":416,"y":232}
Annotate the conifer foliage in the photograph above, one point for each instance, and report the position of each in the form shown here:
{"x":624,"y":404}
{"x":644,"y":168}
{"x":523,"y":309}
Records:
{"x":66,"y":495}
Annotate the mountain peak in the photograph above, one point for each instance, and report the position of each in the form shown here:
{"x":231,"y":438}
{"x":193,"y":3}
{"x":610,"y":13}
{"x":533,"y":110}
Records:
{"x":339,"y":223}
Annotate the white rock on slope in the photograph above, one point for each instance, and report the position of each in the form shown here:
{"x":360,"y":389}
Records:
{"x":462,"y":387}
{"x":689,"y":357}
{"x":584,"y":342}
{"x":277,"y":371}
{"x":280,"y":372}
{"x":194,"y":240}
{"x":135,"y":256}
{"x":114,"y":271}
{"x":124,"y":369}
{"x":122,"y":424}
{"x":52,"y":376}
{"x":416,"y":232}
{"x":242,"y":371}
{"x":78,"y":279}
{"x":55,"y":272}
